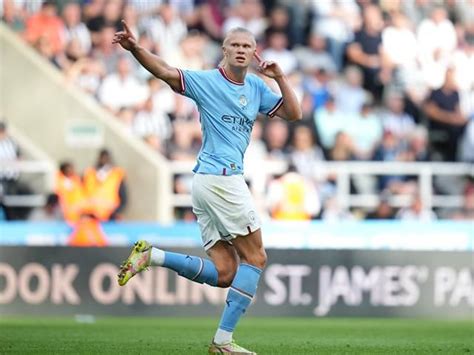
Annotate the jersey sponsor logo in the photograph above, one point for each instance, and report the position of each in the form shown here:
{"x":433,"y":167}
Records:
{"x":239,"y":124}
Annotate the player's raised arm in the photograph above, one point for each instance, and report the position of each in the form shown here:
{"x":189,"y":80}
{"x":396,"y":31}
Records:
{"x":154,"y":64}
{"x":290,"y":109}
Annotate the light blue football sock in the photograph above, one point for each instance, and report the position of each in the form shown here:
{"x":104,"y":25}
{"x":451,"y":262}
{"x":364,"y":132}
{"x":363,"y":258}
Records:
{"x":240,"y":295}
{"x":192,"y":267}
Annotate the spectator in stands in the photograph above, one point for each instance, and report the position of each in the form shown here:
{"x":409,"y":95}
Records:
{"x":46,"y":24}
{"x":247,"y":14}
{"x":151,"y":122}
{"x":105,"y":188}
{"x":368,"y":53}
{"x":343,"y":148}
{"x":13,"y":15}
{"x":278,"y":21}
{"x":305,"y":153}
{"x":336,"y":20}
{"x":122,"y":89}
{"x":334,"y":212}
{"x":445,"y":119}
{"x":314,"y":56}
{"x":166,"y":30}
{"x":401,"y":47}
{"x":276,"y":138}
{"x":329,"y":121}
{"x":9,"y":153}
{"x":86,"y":74}
{"x":416,"y":212}
{"x":70,"y":192}
{"x":74,"y":28}
{"x":365,"y":130}
{"x":292,"y":197}
{"x":467,"y":210}
{"x":103,"y":49}
{"x":392,"y":150}
{"x":50,"y":212}
{"x":466,"y":146}
{"x":109,"y":15}
{"x":383,"y":210}
{"x":318,"y":86}
{"x":396,"y":120}
{"x":348,"y":93}
{"x":277,"y":51}
{"x":418,"y":145}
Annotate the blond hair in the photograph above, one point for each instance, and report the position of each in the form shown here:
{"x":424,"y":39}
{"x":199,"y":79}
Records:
{"x":232,"y":32}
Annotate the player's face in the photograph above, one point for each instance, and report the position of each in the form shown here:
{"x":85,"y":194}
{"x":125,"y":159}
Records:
{"x":239,"y":49}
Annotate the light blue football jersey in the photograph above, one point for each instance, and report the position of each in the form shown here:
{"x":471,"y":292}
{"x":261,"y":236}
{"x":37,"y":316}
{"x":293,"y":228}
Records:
{"x":228,"y":110}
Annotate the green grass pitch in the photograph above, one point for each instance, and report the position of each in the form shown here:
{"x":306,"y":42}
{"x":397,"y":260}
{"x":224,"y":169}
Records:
{"x":264,"y":335}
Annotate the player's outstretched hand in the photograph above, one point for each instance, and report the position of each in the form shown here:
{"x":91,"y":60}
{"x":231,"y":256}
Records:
{"x":268,"y":68}
{"x":125,"y":38}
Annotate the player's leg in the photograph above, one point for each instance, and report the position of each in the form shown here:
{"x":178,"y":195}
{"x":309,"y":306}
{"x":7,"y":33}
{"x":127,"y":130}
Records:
{"x":219,"y":271}
{"x":243,"y":288}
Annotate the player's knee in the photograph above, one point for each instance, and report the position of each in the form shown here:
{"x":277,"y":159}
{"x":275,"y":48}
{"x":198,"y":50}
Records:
{"x":258,"y":259}
{"x":226,"y":277}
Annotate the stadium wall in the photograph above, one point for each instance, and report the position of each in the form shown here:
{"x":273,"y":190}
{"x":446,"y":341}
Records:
{"x":380,"y":269}
{"x":68,"y":124}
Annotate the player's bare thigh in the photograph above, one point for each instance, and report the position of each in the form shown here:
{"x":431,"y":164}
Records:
{"x":226,"y":260}
{"x":250,"y":249}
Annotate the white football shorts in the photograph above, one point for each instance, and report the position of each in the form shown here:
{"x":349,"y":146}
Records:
{"x":224,"y":208}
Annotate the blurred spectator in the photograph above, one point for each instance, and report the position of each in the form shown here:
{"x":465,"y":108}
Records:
{"x":466,"y":147}
{"x":343,"y":148}
{"x":305,"y":153}
{"x":278,"y":21}
{"x":87,"y":74}
{"x":367,"y":52}
{"x":416,"y":212}
{"x":383,"y":210}
{"x":46,"y":24}
{"x":9,"y":153}
{"x":104,"y":50}
{"x":329,"y":121}
{"x":74,"y":28}
{"x":314,"y":56}
{"x":108,"y":15}
{"x":122,"y":89}
{"x":391,"y":149}
{"x":276,"y":139}
{"x":365,"y":130}
{"x":418,"y":145}
{"x":317,"y":87}
{"x":446,"y":122}
{"x":395,"y":119}
{"x":13,"y":15}
{"x":349,"y":94}
{"x":151,"y":122}
{"x":335,"y":20}
{"x":436,"y":34}
{"x":105,"y":188}
{"x":166,"y":30}
{"x":467,"y":210}
{"x":70,"y":192}
{"x":277,"y":51}
{"x":334,"y":212}
{"x":50,"y":212}
{"x":401,"y":47}
{"x":247,"y":14}
{"x":292,"y":197}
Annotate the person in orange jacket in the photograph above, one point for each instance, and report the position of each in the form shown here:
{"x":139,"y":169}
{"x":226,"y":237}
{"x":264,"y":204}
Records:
{"x":70,"y":191}
{"x":105,"y":188}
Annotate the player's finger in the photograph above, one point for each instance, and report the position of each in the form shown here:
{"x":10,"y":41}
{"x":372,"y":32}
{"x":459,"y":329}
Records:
{"x":257,"y":56}
{"x":125,"y":26}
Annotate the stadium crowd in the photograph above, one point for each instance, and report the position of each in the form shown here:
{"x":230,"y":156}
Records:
{"x":386,"y":80}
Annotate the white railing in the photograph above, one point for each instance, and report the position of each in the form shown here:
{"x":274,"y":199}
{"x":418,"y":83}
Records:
{"x":424,"y":172}
{"x":44,"y":169}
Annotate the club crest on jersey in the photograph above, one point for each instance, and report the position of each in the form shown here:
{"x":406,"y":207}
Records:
{"x":243,"y":101}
